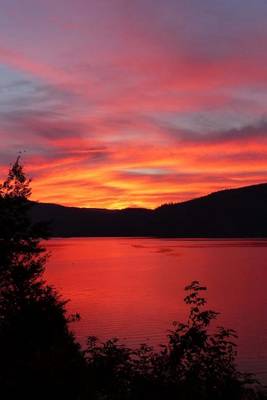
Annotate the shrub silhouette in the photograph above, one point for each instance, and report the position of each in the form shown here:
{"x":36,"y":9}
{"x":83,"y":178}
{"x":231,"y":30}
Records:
{"x":195,"y":363}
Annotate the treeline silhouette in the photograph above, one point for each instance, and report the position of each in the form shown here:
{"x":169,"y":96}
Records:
{"x":229,"y":213}
{"x":41,"y":359}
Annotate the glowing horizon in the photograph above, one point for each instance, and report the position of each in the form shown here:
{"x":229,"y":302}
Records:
{"x":119,"y":104}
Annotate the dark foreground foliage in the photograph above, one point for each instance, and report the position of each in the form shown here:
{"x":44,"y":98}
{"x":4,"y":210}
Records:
{"x":40,"y":358}
{"x":194,"y":364}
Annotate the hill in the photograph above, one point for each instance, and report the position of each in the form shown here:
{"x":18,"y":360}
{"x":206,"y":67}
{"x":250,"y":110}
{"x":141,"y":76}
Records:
{"x":238,"y":212}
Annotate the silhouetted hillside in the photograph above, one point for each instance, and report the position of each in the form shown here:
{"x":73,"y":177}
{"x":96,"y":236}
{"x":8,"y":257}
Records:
{"x":229,"y":213}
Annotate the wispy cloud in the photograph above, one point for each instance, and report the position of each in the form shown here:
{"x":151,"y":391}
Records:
{"x":134,"y":103}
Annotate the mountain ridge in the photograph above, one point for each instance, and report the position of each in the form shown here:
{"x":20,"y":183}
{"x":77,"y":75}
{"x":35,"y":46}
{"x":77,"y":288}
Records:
{"x":240,"y":212}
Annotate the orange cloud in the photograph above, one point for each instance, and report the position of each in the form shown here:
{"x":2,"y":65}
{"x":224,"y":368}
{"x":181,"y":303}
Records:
{"x":114,"y":111}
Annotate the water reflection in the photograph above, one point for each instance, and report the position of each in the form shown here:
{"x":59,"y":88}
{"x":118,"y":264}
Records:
{"x":133,"y":288}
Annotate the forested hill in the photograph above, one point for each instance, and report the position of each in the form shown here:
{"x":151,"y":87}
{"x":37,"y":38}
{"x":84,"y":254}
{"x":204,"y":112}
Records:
{"x":229,"y":213}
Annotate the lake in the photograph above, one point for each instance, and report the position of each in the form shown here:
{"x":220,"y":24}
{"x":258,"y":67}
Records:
{"x":132,"y":288}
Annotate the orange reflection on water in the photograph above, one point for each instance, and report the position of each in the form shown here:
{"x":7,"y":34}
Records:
{"x":133,"y":288}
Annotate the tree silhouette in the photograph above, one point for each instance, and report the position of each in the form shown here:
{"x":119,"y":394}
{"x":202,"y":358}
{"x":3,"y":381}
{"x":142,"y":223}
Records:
{"x":39,"y":357}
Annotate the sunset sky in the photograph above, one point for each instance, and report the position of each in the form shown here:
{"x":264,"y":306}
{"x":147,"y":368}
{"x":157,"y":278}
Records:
{"x":118,"y":103}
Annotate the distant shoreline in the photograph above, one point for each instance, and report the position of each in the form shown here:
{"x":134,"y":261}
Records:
{"x":233,"y":238}
{"x":233,"y":213}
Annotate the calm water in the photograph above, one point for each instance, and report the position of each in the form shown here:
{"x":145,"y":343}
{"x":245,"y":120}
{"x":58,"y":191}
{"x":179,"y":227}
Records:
{"x":133,"y":288}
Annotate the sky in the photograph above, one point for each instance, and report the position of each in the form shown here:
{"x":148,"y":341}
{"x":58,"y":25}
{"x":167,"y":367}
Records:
{"x":126,"y":103}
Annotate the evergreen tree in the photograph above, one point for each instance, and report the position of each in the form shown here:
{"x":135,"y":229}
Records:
{"x":39,"y":357}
